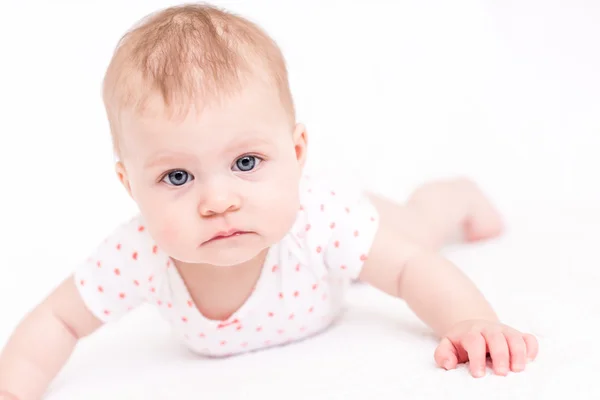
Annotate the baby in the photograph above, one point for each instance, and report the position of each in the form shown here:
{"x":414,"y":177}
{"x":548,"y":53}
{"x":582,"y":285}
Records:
{"x":237,"y":248}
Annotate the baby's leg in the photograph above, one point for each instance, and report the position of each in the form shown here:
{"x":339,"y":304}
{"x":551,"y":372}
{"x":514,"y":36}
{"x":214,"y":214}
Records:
{"x":440,"y":212}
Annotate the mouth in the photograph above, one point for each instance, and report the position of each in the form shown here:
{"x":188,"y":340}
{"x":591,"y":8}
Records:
{"x":226,"y":235}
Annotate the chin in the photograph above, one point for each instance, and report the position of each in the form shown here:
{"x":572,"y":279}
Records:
{"x":230,"y":260}
{"x":230,"y":257}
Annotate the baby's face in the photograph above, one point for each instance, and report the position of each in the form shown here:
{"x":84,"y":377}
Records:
{"x":234,"y":169}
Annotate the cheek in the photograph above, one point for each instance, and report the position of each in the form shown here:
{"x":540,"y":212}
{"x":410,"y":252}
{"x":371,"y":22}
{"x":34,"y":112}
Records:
{"x":278,"y":203}
{"x":173,"y":234}
{"x":166,"y":223}
{"x":167,"y":232}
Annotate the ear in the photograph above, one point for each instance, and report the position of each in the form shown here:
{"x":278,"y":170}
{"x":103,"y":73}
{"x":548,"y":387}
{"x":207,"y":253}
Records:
{"x":300,"y":143}
{"x":123,"y":178}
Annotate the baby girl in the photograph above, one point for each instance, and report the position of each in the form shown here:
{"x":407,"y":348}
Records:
{"x":237,"y":248}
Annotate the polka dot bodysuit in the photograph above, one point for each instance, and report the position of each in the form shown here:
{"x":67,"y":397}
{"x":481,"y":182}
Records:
{"x":299,"y":293}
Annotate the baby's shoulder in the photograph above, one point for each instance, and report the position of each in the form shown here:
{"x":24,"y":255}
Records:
{"x":121,"y":271}
{"x":329,"y":204}
{"x":323,"y":195}
{"x":131,"y":235}
{"x":129,"y":246}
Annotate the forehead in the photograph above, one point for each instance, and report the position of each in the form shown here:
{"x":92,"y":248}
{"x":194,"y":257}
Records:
{"x":254,"y":114}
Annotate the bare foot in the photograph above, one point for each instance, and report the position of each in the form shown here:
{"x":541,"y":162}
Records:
{"x":483,"y":221}
{"x":443,"y":212}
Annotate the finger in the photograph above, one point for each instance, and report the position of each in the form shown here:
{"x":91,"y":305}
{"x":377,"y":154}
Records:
{"x":517,"y":350}
{"x":532,"y":346}
{"x":445,"y":355}
{"x":498,"y":348}
{"x":474,"y":345}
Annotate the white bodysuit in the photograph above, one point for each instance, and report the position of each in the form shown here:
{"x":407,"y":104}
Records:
{"x":299,"y":293}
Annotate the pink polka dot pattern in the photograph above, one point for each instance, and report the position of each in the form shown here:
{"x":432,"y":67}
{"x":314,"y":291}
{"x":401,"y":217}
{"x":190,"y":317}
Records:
{"x":300,"y":292}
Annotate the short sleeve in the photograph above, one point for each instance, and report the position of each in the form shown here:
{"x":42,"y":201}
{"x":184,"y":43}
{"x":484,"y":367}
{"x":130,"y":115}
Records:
{"x":356,"y":223}
{"x":343,"y":223}
{"x":112,"y":280}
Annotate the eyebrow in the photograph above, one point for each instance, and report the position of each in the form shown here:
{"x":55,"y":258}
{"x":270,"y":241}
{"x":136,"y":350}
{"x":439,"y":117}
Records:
{"x":168,"y":158}
{"x":249,"y":141}
{"x":178,"y":157}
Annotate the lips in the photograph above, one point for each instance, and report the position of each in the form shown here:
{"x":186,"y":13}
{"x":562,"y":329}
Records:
{"x":226,"y":235}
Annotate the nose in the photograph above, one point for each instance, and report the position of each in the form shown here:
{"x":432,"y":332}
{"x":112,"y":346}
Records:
{"x":218,"y":198}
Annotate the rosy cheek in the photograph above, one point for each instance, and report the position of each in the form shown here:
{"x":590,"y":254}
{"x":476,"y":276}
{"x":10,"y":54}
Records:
{"x":284,"y":207}
{"x":163,"y":227}
{"x":169,"y":233}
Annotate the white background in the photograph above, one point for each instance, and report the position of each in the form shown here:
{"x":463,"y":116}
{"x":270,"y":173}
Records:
{"x":394,"y":93}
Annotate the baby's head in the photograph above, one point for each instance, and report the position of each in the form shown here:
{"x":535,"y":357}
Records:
{"x":204,"y":128}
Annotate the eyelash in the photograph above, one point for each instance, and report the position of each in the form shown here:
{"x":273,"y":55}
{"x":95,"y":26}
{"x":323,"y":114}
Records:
{"x":259,"y":158}
{"x":163,"y":176}
{"x":166,"y":174}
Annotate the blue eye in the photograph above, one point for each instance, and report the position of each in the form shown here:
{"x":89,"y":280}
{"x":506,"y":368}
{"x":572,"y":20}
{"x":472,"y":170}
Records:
{"x":177,"y":177}
{"x":247,"y":163}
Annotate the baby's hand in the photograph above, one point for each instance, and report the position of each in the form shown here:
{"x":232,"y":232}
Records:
{"x":473,"y":340}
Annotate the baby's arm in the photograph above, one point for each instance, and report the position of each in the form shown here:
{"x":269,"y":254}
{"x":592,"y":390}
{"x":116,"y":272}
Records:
{"x":446,"y":300}
{"x":438,"y":292}
{"x":43,"y":342}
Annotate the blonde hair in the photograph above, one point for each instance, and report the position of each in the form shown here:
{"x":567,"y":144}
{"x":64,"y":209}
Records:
{"x":186,"y":54}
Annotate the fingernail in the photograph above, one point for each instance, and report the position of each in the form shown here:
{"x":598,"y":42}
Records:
{"x":529,"y":359}
{"x":447,"y":364}
{"x":479,"y":373}
{"x":519,"y":367}
{"x":502,"y":369}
